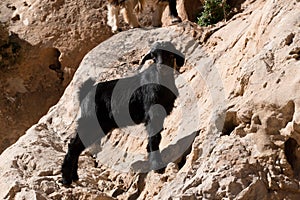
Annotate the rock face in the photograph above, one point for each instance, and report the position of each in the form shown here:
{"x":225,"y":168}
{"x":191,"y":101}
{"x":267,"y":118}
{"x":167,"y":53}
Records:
{"x":234,"y":132}
{"x":72,"y":27}
{"x":26,"y":81}
{"x":189,"y":9}
{"x":41,"y":45}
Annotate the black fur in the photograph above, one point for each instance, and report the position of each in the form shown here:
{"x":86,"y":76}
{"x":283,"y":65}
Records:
{"x":110,"y":101}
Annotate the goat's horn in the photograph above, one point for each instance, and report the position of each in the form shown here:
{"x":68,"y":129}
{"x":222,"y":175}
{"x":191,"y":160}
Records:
{"x":146,"y":57}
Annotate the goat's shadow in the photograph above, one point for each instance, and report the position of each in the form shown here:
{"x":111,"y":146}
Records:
{"x":173,"y":153}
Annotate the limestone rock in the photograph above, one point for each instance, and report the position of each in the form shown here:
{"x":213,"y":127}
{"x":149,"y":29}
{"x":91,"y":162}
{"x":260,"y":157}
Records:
{"x":189,"y":10}
{"x":41,"y":45}
{"x":234,"y":132}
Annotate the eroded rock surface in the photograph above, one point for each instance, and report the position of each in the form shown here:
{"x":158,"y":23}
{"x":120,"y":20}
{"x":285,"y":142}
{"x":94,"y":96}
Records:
{"x":41,"y":46}
{"x":42,"y":43}
{"x":238,"y":109}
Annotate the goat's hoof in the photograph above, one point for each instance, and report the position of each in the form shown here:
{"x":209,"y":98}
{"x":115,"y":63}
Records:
{"x":157,"y":166}
{"x":157,"y":25}
{"x":138,"y":26}
{"x":75,"y":177}
{"x":160,"y":171}
{"x":65,"y":182}
{"x":176,"y":20}
{"x":117,"y":31}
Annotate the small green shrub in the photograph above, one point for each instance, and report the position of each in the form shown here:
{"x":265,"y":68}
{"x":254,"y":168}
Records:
{"x":214,"y":11}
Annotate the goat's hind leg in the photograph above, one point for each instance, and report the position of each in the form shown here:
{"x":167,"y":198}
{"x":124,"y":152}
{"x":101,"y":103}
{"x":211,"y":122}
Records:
{"x":129,"y":16}
{"x":157,"y":15}
{"x":70,"y":163}
{"x":112,"y":17}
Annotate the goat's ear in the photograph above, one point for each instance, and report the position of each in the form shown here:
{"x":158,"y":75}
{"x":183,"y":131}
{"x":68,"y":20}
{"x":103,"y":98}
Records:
{"x":148,"y":56}
{"x":179,"y":60}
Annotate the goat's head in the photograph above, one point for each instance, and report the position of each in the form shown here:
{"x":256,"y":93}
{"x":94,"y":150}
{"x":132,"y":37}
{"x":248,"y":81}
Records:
{"x":166,"y":54}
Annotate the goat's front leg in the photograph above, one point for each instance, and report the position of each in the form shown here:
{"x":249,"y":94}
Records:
{"x":154,"y":127}
{"x":112,"y":17}
{"x":70,"y":163}
{"x":155,"y":159}
{"x":173,"y":12}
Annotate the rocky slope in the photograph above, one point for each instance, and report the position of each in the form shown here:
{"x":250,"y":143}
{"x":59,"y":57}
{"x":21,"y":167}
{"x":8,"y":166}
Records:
{"x":41,"y":45}
{"x":233,"y":134}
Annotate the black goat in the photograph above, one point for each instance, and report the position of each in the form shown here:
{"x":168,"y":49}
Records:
{"x":147,"y":97}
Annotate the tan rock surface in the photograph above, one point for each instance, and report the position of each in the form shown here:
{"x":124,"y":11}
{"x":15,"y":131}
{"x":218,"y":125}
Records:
{"x":42,"y":33}
{"x":238,"y":103}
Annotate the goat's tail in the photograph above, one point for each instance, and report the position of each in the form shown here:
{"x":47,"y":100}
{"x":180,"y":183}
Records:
{"x":83,"y":91}
{"x":140,"y":5}
{"x":85,"y":88}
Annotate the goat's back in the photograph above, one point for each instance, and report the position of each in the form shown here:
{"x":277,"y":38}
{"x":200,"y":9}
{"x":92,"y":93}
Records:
{"x":124,"y":102}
